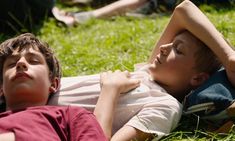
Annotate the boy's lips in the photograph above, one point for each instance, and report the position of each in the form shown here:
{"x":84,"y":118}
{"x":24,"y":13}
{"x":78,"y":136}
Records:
{"x":21,"y":75}
{"x":158,"y":60}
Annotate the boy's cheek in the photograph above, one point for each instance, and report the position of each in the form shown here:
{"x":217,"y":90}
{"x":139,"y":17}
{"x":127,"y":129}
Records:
{"x":8,"y":75}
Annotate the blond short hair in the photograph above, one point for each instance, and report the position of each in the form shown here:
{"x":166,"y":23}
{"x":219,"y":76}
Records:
{"x":205,"y":58}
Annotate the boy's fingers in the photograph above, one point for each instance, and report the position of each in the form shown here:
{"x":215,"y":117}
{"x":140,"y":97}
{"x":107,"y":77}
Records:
{"x":103,"y":74}
{"x":127,"y":73}
{"x":135,"y":82}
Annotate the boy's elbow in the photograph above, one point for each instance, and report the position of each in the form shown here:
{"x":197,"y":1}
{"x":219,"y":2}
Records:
{"x":185,"y":10}
{"x":184,"y":6}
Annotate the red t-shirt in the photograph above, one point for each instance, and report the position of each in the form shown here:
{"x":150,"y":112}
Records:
{"x":52,"y":123}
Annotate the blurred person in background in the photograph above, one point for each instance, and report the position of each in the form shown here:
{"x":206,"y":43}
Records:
{"x":120,"y":7}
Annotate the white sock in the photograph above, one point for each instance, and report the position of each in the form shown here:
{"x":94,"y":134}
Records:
{"x":82,"y":17}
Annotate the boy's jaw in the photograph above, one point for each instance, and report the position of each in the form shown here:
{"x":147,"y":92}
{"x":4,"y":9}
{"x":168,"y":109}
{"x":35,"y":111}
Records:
{"x":152,"y":68}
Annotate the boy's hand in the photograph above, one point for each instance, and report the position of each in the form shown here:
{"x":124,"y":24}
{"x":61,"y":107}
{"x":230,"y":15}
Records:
{"x":112,"y":84}
{"x":120,"y":81}
{"x":231,"y":62}
{"x":230,"y":68}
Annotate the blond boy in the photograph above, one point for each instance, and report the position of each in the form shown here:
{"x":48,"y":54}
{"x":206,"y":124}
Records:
{"x":183,"y":58}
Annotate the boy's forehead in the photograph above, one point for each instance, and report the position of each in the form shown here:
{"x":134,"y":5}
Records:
{"x":188,"y":39}
{"x":25,"y":51}
{"x":27,"y":48}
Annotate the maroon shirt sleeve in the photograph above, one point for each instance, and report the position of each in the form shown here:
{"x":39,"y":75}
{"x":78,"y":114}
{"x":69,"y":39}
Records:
{"x":84,"y":126}
{"x":51,"y":123}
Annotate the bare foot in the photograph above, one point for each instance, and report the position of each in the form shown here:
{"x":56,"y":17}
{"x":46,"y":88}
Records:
{"x":64,"y":17}
{"x":73,"y":2}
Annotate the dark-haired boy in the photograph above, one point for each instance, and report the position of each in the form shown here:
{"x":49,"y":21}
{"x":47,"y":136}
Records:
{"x":30,"y":73}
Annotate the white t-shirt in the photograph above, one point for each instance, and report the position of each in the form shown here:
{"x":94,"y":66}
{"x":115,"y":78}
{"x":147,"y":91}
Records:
{"x":148,"y":108}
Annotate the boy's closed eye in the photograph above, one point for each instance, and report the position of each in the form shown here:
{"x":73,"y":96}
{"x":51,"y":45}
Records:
{"x":30,"y":58}
{"x":11,"y":62}
{"x":34,"y":60}
{"x":178,"y":48}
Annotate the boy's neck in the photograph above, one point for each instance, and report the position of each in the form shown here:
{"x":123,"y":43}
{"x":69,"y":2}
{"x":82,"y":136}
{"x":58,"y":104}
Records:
{"x":23,"y":105}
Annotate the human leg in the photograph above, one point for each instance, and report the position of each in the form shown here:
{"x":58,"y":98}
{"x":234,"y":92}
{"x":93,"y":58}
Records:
{"x":112,"y":9}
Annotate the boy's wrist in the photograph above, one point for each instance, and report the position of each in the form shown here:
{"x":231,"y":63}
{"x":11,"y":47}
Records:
{"x":111,"y":92}
{"x":230,"y":64}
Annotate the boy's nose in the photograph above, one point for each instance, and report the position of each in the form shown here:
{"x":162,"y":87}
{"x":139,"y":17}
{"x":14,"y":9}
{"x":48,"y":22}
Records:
{"x":165,"y":49}
{"x":21,"y":64}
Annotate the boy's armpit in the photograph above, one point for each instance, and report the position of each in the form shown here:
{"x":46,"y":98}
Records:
{"x":10,"y":136}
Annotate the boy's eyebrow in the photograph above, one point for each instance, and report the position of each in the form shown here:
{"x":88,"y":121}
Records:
{"x":183,"y":46}
{"x":33,"y":54}
{"x":178,"y":41}
{"x":14,"y":56}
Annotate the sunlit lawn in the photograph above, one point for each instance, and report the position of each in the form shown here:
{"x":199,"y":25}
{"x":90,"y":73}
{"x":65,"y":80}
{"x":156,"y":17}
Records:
{"x":121,"y":42}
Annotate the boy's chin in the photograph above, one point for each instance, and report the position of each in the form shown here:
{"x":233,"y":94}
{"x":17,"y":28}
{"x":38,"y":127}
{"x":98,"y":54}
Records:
{"x":152,"y":74}
{"x":152,"y":69}
{"x":22,"y":89}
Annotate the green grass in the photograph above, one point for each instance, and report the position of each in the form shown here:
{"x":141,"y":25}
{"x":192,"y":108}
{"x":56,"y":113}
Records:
{"x":121,"y":42}
{"x":117,"y":43}
{"x":102,"y":45}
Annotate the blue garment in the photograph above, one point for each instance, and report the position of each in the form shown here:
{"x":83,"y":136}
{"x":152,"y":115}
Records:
{"x":212,"y":98}
{"x":155,"y":6}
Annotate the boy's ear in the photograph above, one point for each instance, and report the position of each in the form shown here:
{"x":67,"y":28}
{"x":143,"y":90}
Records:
{"x":54,"y":85}
{"x":199,"y":78}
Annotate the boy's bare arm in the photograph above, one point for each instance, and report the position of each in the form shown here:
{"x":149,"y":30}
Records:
{"x":198,"y":24}
{"x":112,"y":85}
{"x":127,"y":133}
{"x":171,"y":30}
{"x":10,"y":136}
{"x":187,"y":16}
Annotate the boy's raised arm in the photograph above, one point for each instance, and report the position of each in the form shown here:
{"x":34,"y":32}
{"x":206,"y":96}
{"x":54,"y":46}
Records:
{"x":174,"y":26}
{"x":187,"y":16}
{"x":198,"y":24}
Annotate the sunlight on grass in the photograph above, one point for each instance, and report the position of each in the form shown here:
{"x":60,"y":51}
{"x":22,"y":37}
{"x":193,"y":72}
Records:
{"x":102,"y":45}
{"x":118,"y":43}
{"x":121,"y":42}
